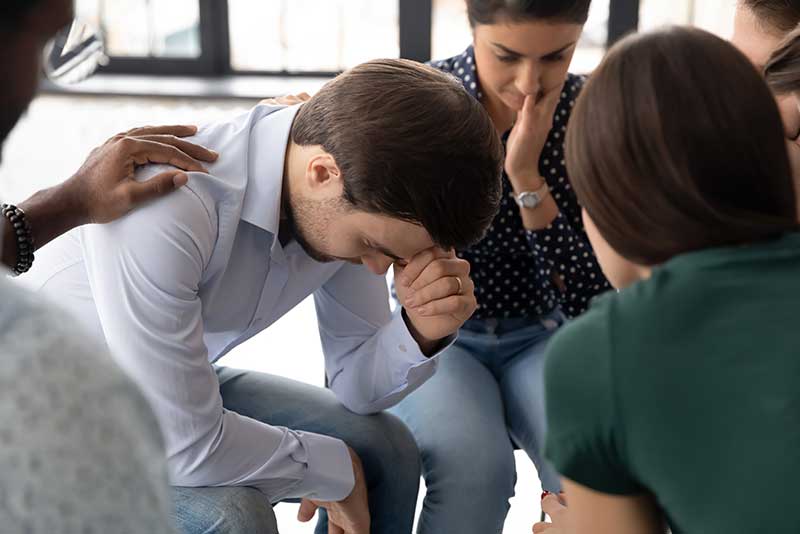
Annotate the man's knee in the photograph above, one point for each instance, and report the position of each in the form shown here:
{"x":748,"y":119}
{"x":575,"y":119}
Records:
{"x":229,"y":510}
{"x":387,"y":449}
{"x":393,"y":440}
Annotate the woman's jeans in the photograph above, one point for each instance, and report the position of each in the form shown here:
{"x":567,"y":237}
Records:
{"x":486,"y":397}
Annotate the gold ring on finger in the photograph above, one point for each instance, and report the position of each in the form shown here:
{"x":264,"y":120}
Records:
{"x":460,"y":285}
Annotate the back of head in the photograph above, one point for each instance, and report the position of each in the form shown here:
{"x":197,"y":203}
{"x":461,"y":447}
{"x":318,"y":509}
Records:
{"x":776,"y":16}
{"x":411,"y":144}
{"x":782,"y":71}
{"x":12,"y":13}
{"x":676,"y":145}
{"x":489,"y":11}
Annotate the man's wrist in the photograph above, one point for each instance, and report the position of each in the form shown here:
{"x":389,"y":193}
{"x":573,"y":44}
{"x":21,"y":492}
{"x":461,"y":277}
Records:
{"x":426,"y":346}
{"x":64,"y":202}
{"x":54,"y":211}
{"x":75,"y":201}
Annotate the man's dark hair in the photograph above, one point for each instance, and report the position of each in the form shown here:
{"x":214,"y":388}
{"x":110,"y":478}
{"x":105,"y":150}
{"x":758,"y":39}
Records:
{"x":489,"y":11}
{"x":676,"y":145}
{"x":12,"y":12}
{"x":411,"y":144}
{"x":779,"y":16}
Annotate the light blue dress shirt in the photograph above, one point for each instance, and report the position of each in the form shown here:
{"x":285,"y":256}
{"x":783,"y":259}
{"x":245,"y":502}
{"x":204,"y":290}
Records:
{"x":175,"y":285}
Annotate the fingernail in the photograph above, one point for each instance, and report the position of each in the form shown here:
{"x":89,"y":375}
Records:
{"x":411,"y":302}
{"x":215,"y":154}
{"x":545,"y":494}
{"x":179,"y":180}
{"x":422,"y":311}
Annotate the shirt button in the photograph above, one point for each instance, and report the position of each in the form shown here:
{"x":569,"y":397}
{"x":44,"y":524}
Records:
{"x":402,"y":348}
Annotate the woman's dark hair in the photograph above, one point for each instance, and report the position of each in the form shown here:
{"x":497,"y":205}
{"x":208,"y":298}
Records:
{"x":489,"y":11}
{"x":676,"y":144}
{"x":411,"y":144}
{"x":778,"y":15}
{"x":783,"y":67}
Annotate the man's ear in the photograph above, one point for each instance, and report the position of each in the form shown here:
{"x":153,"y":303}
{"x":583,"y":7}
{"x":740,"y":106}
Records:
{"x":323,"y":175}
{"x":321,"y":170}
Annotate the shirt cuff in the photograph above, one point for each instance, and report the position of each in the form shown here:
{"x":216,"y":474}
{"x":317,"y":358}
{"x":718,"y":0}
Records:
{"x":409,"y":359}
{"x":329,"y":474}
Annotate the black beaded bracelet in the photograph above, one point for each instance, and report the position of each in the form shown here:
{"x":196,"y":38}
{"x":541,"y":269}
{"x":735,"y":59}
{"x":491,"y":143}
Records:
{"x":22,"y":235}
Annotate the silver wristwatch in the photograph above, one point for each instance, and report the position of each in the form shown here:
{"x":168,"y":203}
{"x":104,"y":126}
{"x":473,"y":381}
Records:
{"x":532,"y":199}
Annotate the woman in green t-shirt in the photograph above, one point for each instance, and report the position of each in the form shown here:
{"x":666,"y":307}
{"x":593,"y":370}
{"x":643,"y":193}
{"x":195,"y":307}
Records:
{"x":676,"y":400}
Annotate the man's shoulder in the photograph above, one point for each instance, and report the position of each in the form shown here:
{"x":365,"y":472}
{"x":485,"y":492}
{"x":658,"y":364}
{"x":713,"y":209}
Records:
{"x":222,"y":188}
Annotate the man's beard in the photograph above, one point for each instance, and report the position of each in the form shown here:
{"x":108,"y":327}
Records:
{"x":308,"y":216}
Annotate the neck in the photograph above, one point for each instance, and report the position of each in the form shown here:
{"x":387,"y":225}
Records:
{"x":293,"y":165}
{"x":502,"y":116}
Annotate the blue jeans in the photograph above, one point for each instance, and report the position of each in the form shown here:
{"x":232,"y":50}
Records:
{"x":387,"y":450}
{"x":486,"y":398}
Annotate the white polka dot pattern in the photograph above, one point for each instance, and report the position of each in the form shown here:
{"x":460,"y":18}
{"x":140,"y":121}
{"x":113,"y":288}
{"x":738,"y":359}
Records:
{"x":515,"y":270}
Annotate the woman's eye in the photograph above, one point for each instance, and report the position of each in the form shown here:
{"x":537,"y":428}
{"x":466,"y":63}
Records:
{"x":507,"y":59}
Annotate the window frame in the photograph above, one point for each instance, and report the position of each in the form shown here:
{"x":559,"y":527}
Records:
{"x":415,"y":30}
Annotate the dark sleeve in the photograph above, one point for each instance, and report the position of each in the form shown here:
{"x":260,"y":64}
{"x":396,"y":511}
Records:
{"x":584,"y":440}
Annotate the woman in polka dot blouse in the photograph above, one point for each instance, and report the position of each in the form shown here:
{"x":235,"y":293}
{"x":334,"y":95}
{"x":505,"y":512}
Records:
{"x":533,"y":269}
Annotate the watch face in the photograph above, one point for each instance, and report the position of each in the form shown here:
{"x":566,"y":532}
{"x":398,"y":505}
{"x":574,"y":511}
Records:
{"x":529,"y":200}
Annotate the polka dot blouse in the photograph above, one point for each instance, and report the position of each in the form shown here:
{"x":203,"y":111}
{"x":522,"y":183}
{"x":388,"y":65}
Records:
{"x":521,"y":273}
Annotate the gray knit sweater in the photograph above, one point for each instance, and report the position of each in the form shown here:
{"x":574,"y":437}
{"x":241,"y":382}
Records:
{"x":80,"y":450}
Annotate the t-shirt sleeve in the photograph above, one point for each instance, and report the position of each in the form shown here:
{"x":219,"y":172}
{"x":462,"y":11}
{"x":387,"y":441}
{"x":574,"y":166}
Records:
{"x":584,"y":440}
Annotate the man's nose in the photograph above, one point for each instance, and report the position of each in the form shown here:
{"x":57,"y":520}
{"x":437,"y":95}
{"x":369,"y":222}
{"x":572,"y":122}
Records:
{"x":378,"y":264}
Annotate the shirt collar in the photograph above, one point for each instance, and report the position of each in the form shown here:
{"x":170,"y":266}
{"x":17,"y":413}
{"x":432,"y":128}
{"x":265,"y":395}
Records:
{"x":463,"y":67}
{"x":267,"y":153}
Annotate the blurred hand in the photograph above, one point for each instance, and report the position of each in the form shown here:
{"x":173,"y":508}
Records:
{"x":556,"y":508}
{"x":103,"y":189}
{"x":437,"y":293}
{"x":349,"y":516}
{"x":286,"y":100}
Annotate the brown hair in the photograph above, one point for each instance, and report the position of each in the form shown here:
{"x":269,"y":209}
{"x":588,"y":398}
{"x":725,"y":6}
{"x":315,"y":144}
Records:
{"x":488,"y":11}
{"x":777,"y":15}
{"x":783,"y":67}
{"x":676,"y":145}
{"x":411,"y":143}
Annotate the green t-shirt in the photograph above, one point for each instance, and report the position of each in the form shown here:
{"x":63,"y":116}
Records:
{"x":687,"y":386}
